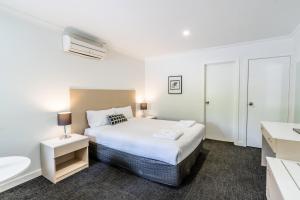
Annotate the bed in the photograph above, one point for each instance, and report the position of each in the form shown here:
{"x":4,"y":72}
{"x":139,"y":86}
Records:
{"x":131,"y":144}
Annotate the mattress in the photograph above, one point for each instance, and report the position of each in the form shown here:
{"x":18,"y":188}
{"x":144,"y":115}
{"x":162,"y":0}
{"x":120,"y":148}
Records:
{"x":136,"y":137}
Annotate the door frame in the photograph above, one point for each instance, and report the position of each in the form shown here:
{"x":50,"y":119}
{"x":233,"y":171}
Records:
{"x":290,"y":93}
{"x":236,"y":63}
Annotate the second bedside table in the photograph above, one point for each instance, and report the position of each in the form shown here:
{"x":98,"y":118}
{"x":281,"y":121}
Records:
{"x":61,"y":158}
{"x":151,"y":117}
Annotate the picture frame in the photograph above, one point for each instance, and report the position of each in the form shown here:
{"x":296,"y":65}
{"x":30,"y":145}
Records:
{"x":175,"y":84}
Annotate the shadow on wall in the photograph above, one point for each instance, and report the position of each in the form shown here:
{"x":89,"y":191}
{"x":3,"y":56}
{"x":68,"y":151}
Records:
{"x":82,"y":34}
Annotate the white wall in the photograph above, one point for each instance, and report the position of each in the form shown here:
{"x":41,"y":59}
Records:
{"x":297,"y":61}
{"x":35,"y":77}
{"x":190,"y":105}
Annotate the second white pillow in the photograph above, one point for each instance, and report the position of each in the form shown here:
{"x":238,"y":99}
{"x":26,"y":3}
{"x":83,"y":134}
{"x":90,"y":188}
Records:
{"x":99,"y":117}
{"x":126,"y":111}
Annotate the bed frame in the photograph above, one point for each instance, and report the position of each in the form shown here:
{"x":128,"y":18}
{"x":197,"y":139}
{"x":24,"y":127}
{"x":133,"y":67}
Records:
{"x":154,"y":170}
{"x":150,"y":169}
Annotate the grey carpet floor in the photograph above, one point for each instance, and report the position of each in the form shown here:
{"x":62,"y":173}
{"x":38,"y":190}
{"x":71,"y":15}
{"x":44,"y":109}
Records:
{"x":223,"y":171}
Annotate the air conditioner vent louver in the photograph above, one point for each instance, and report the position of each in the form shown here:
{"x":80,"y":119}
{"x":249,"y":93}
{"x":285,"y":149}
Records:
{"x":83,"y":47}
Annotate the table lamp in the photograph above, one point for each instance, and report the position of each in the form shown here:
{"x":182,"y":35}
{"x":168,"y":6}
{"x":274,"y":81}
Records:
{"x":64,"y":119}
{"x":143,"y":107}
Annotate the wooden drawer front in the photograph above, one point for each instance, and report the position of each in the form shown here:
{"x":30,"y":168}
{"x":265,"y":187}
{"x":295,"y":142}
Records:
{"x":269,"y":139}
{"x":68,"y":148}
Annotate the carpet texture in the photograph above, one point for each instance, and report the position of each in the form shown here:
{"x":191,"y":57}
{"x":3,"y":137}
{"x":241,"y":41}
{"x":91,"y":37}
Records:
{"x":222,"y":171}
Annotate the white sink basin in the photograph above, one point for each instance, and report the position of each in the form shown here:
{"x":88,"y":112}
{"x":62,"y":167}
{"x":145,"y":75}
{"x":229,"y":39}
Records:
{"x":12,"y":166}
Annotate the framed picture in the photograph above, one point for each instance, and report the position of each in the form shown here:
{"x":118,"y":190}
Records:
{"x":175,"y":84}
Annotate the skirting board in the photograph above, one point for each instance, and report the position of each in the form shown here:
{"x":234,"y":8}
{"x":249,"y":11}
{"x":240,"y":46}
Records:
{"x":239,"y":143}
{"x":19,"y":180}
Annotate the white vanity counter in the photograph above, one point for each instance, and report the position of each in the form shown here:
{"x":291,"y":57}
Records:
{"x":283,"y":179}
{"x":282,"y":131}
{"x":280,"y":141}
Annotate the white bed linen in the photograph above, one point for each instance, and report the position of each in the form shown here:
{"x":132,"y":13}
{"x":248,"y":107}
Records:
{"x":136,"y":137}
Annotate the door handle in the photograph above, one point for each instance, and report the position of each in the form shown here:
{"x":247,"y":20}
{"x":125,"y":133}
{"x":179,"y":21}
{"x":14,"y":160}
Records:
{"x":251,"y":103}
{"x":207,"y":102}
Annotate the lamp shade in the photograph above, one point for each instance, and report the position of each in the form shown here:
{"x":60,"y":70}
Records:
{"x":143,"y":106}
{"x":64,"y":118}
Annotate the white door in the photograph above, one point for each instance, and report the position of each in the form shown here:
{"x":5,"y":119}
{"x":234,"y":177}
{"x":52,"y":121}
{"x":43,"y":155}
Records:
{"x":268,"y":95}
{"x":220,"y":101}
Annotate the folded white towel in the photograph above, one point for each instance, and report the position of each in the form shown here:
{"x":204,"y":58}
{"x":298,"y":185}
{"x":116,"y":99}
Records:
{"x":186,"y":123}
{"x":168,"y":134}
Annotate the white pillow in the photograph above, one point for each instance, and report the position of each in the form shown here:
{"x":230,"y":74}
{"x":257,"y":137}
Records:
{"x":98,"y":118}
{"x":127,"y":111}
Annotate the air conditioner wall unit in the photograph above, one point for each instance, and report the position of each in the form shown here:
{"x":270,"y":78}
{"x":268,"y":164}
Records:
{"x":84,"y":47}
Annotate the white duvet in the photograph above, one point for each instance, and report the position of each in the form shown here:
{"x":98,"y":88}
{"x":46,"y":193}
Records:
{"x":136,"y":137}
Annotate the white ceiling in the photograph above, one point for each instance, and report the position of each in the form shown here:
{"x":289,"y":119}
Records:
{"x":145,"y":28}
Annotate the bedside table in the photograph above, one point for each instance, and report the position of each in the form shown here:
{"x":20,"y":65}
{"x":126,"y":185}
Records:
{"x":151,"y":117}
{"x":61,"y":158}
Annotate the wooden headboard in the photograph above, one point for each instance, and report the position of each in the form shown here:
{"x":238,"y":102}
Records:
{"x":82,"y":100}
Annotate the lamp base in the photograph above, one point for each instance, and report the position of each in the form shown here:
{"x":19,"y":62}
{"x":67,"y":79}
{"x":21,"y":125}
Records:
{"x":65,"y":137}
{"x":144,"y":114}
